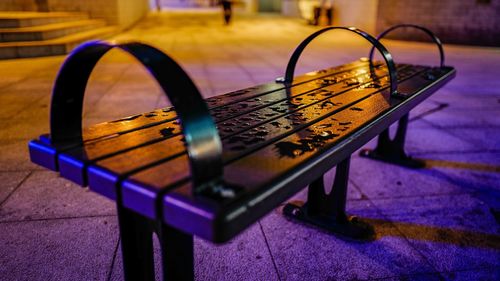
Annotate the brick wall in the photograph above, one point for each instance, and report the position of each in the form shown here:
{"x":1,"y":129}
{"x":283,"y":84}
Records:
{"x":474,"y":22}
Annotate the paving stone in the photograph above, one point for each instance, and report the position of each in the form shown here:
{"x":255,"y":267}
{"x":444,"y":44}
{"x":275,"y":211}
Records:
{"x":302,"y":252}
{"x":256,"y":49}
{"x":377,"y":179}
{"x":28,"y":125}
{"x":476,"y":173}
{"x":426,"y":140}
{"x":485,"y":139}
{"x":15,"y":156}
{"x":46,"y":195}
{"x":453,"y":232}
{"x":9,"y":181}
{"x":460,"y":117}
{"x":245,"y":257}
{"x":486,"y":274}
{"x":76,"y":249}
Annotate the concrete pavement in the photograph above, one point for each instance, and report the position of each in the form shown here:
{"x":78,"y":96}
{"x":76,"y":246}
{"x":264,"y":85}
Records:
{"x":437,"y":223}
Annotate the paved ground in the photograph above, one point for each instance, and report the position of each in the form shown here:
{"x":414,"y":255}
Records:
{"x":442,"y":222}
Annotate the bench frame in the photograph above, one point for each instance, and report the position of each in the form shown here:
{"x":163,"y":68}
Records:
{"x":324,"y":210}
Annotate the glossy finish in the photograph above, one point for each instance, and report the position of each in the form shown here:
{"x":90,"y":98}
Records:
{"x":201,"y":138}
{"x":290,"y":69}
{"x":434,"y":38}
{"x":276,"y":139}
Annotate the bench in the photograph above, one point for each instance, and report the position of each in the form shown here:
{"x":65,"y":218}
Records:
{"x":213,"y":167}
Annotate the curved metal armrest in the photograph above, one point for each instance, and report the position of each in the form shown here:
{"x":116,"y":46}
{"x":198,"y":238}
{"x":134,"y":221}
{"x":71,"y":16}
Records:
{"x":202,"y":140}
{"x":434,"y":38}
{"x":290,"y":69}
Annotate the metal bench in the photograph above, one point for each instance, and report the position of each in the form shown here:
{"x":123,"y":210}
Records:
{"x":213,"y":167}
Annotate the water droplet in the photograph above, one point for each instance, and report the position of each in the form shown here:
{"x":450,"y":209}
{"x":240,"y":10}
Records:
{"x":351,"y":83}
{"x":345,"y":123}
{"x":323,"y":126}
{"x":166,"y":132}
{"x":262,"y":133}
{"x":151,"y":114}
{"x":327,"y":104}
{"x":356,"y":109}
{"x":130,"y":118}
{"x":276,"y":124}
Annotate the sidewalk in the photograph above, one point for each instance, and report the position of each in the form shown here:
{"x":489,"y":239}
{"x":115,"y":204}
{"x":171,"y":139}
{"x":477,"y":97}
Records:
{"x":441,"y":222}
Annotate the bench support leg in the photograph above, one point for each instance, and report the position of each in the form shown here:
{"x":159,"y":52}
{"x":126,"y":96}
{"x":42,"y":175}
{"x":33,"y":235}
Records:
{"x":177,"y":254}
{"x":137,"y":245}
{"x":392,"y":151}
{"x":137,"y":249}
{"x":328,"y":210}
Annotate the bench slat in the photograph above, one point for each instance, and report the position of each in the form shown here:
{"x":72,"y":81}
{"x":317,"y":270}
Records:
{"x":156,"y":182}
{"x":73,"y":163}
{"x":265,"y":172}
{"x":316,"y":105}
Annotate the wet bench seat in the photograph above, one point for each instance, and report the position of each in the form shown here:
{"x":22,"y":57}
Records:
{"x":276,"y":138}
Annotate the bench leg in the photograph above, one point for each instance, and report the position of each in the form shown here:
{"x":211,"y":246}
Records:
{"x":137,"y":245}
{"x":137,"y":248}
{"x":177,"y":254}
{"x":392,"y":151}
{"x":328,"y":210}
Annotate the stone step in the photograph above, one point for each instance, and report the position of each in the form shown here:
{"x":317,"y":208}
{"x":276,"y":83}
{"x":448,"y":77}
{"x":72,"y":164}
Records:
{"x":49,"y":31}
{"x":52,"y":47}
{"x":24,"y":19}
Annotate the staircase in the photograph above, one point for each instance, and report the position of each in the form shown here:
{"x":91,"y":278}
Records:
{"x":35,"y":34}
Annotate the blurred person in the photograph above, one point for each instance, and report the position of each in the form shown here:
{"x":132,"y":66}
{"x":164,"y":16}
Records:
{"x":325,"y":8}
{"x":227,"y":10}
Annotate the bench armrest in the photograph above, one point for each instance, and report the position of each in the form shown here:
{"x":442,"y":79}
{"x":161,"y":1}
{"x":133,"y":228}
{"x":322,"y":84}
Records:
{"x":290,"y":68}
{"x":202,"y":140}
{"x":434,"y":38}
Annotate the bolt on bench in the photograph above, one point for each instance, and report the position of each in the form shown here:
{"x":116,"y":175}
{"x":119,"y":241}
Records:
{"x":213,"y":167}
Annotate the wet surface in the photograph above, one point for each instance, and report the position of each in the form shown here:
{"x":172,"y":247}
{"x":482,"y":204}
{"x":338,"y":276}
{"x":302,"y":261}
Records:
{"x":427,"y":229}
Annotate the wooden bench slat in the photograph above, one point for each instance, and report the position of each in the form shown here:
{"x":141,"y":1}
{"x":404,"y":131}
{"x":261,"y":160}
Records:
{"x":153,"y":180}
{"x":138,"y":121}
{"x":45,"y":154}
{"x":263,"y":166}
{"x":220,"y":219}
{"x":72,"y":163}
{"x":136,"y":159}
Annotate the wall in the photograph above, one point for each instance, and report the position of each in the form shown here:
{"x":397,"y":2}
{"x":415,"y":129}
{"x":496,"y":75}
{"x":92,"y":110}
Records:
{"x":18,"y":5}
{"x":123,"y":13}
{"x":130,"y":11}
{"x":474,"y":22}
{"x":360,"y":13}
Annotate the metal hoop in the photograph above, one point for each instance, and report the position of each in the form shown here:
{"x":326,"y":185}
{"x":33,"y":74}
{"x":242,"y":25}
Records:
{"x":202,"y":140}
{"x":435,"y":39}
{"x":290,"y":69}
